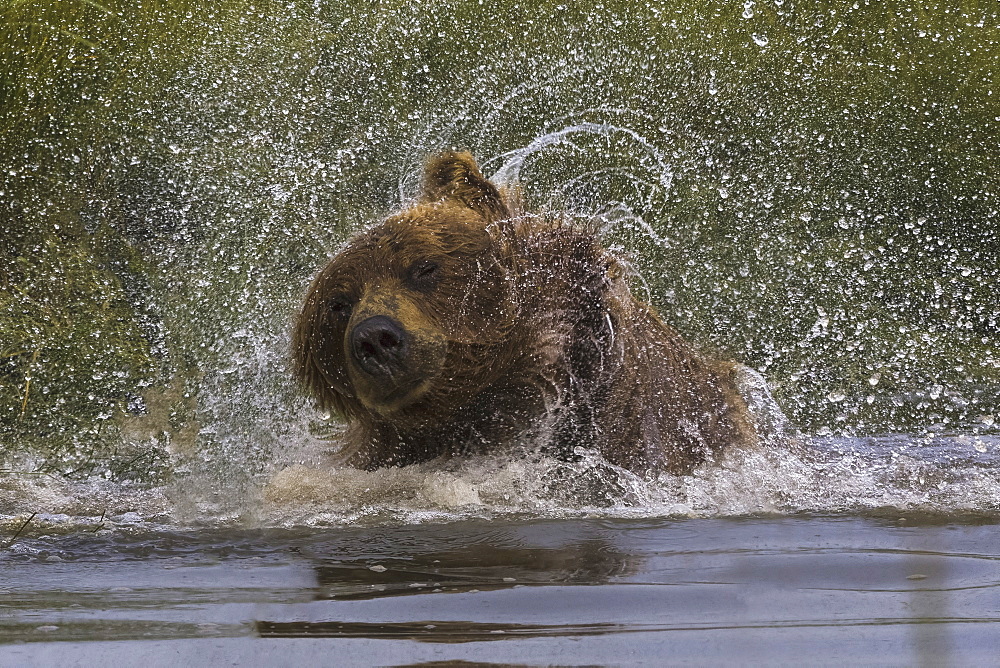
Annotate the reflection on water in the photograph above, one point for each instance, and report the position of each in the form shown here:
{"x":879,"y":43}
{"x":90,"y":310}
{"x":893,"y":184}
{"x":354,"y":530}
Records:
{"x":455,"y":632}
{"x":482,"y":567}
{"x":569,"y":591}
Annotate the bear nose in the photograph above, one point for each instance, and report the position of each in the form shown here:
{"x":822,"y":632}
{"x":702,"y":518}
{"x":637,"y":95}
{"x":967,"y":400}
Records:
{"x":379,"y":344}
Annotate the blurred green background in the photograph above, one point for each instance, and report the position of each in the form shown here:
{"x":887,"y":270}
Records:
{"x":808,"y":187}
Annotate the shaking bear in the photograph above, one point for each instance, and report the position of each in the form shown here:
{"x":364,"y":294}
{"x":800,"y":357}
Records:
{"x":464,"y":324}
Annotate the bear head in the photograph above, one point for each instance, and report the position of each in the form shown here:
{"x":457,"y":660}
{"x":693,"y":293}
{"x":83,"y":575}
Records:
{"x":408,"y":320}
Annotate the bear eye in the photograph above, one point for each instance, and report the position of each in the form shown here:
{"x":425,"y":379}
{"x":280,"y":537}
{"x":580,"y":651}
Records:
{"x":339,"y":305}
{"x":424,"y":272}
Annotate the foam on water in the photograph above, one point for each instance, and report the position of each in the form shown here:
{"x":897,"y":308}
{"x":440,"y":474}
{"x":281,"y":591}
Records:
{"x":831,"y":476}
{"x":947,"y":475}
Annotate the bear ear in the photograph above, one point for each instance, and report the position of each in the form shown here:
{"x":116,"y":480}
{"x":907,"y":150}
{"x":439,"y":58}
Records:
{"x":455,"y":176}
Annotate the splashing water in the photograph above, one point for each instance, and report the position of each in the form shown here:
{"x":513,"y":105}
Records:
{"x":886,"y":475}
{"x":941,"y":474}
{"x":817,"y":214}
{"x":509,"y":173}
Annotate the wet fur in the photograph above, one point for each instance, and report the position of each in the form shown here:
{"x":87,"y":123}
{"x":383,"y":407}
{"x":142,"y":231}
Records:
{"x":528,"y":326}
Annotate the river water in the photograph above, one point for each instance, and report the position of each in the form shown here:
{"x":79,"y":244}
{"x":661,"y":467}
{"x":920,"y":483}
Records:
{"x":880,"y":551}
{"x":819,"y":589}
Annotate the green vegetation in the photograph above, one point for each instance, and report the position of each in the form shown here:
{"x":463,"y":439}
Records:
{"x":809,"y":187}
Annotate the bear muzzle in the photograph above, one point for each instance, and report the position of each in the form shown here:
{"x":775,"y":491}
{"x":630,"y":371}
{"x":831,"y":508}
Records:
{"x":394,"y":358}
{"x":379,"y":346}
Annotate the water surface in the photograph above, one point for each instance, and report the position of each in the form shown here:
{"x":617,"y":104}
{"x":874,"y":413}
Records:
{"x":825,"y":589}
{"x":880,"y":551}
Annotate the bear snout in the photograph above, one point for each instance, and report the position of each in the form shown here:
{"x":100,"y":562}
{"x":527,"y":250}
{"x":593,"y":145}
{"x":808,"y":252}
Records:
{"x":379,"y":345}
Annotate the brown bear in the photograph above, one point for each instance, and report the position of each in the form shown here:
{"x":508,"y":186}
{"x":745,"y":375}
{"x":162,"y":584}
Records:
{"x":463,"y":323}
